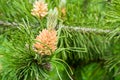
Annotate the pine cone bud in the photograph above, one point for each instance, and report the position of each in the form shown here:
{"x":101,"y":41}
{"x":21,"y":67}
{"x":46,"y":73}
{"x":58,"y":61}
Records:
{"x":47,"y":42}
{"x":39,"y":9}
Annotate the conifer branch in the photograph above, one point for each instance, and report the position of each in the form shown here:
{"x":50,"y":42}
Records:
{"x":91,"y":30}
{"x":80,"y":29}
{"x":6,"y":24}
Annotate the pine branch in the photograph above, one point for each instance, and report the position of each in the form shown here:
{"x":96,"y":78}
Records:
{"x":80,"y":29}
{"x":91,"y":30}
{"x":7,"y":24}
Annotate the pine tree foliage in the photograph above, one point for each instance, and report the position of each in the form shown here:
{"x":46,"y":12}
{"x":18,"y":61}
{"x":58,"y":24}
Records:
{"x":21,"y":62}
{"x":90,"y":46}
{"x":81,"y":55}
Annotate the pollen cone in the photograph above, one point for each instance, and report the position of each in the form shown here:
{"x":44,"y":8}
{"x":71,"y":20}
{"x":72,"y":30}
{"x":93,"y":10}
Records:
{"x":39,"y":9}
{"x":46,"y":42}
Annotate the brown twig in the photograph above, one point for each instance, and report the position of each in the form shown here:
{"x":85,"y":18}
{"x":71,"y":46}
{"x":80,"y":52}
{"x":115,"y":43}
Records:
{"x":89,"y":30}
{"x":6,"y":24}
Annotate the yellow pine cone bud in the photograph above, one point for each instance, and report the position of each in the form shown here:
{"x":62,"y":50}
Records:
{"x":47,"y":42}
{"x":63,"y":10}
{"x":62,"y":7}
{"x":40,"y":9}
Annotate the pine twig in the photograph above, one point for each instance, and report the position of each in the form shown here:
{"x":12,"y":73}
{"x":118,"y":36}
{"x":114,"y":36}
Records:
{"x":80,"y":29}
{"x":7,"y":24}
{"x":89,"y":30}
